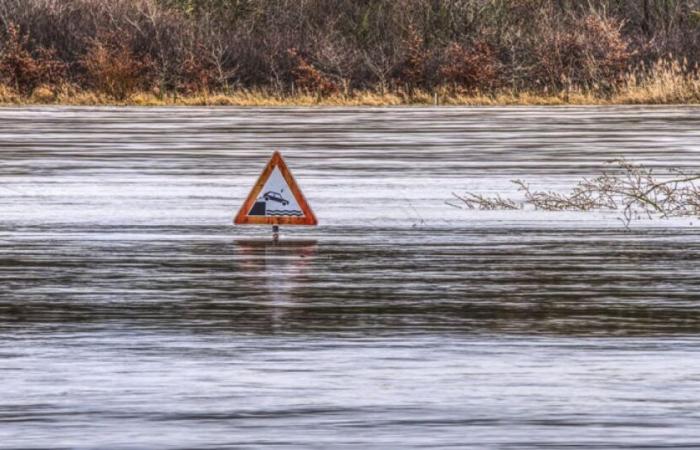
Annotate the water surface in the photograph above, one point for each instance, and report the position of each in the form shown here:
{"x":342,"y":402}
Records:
{"x":134,"y":315}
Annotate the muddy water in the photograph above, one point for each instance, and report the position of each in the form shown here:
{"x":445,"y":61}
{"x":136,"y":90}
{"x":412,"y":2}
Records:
{"x":133,"y":315}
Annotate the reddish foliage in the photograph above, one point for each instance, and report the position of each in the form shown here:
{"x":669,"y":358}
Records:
{"x":198,"y":74}
{"x":471,"y":67}
{"x":25,"y":71}
{"x":114,"y":68}
{"x":308,"y":78}
{"x":414,"y":66}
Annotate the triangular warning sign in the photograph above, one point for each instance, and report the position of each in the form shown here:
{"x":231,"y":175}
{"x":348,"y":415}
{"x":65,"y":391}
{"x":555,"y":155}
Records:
{"x":275,"y":199}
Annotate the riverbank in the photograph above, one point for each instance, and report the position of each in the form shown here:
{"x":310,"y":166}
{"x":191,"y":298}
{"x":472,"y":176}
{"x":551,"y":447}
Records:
{"x":347,"y":53}
{"x":365,"y":98}
{"x":666,"y":84}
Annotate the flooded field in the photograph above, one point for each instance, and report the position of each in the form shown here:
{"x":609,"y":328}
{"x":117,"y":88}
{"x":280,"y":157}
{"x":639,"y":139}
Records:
{"x":134,"y":315}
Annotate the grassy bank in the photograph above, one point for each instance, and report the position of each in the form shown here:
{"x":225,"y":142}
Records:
{"x":665,"y":83}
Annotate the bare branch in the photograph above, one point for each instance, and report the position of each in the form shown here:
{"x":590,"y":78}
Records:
{"x":632,"y":189}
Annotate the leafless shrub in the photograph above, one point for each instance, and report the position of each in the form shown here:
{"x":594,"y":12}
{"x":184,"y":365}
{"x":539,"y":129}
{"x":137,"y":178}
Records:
{"x":589,"y":52}
{"x":337,"y":59}
{"x":633,"y":189}
{"x":197,"y":74}
{"x":217,"y":58}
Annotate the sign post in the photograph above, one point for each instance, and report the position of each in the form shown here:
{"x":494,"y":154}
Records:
{"x":275,"y":199}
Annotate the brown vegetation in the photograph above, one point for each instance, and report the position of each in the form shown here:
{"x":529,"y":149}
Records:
{"x":335,"y":51}
{"x":309,"y":79}
{"x":24,"y":71}
{"x":112,"y":67}
{"x":471,"y":68}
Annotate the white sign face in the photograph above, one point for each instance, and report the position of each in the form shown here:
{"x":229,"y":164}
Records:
{"x":276,"y":198}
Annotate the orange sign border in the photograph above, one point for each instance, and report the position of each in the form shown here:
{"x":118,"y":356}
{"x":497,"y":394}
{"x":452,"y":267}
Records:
{"x":242,"y":218}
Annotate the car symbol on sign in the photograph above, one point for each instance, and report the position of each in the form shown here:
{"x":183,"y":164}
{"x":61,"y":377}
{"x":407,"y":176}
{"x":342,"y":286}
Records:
{"x":275,"y":197}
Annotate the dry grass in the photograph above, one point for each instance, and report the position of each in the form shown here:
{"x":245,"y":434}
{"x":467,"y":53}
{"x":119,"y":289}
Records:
{"x":667,"y":82}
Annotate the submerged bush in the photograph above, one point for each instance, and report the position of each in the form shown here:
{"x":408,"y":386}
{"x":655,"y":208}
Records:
{"x":634,"y":190}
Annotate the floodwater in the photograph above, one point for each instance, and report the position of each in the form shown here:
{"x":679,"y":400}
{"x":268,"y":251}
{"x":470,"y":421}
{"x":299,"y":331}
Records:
{"x":133,"y":315}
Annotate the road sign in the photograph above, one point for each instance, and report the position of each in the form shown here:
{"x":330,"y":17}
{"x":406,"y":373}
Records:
{"x":275,"y":199}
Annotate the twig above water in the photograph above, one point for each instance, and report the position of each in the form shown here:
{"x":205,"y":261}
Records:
{"x":476,"y":201}
{"x":630,"y":188}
